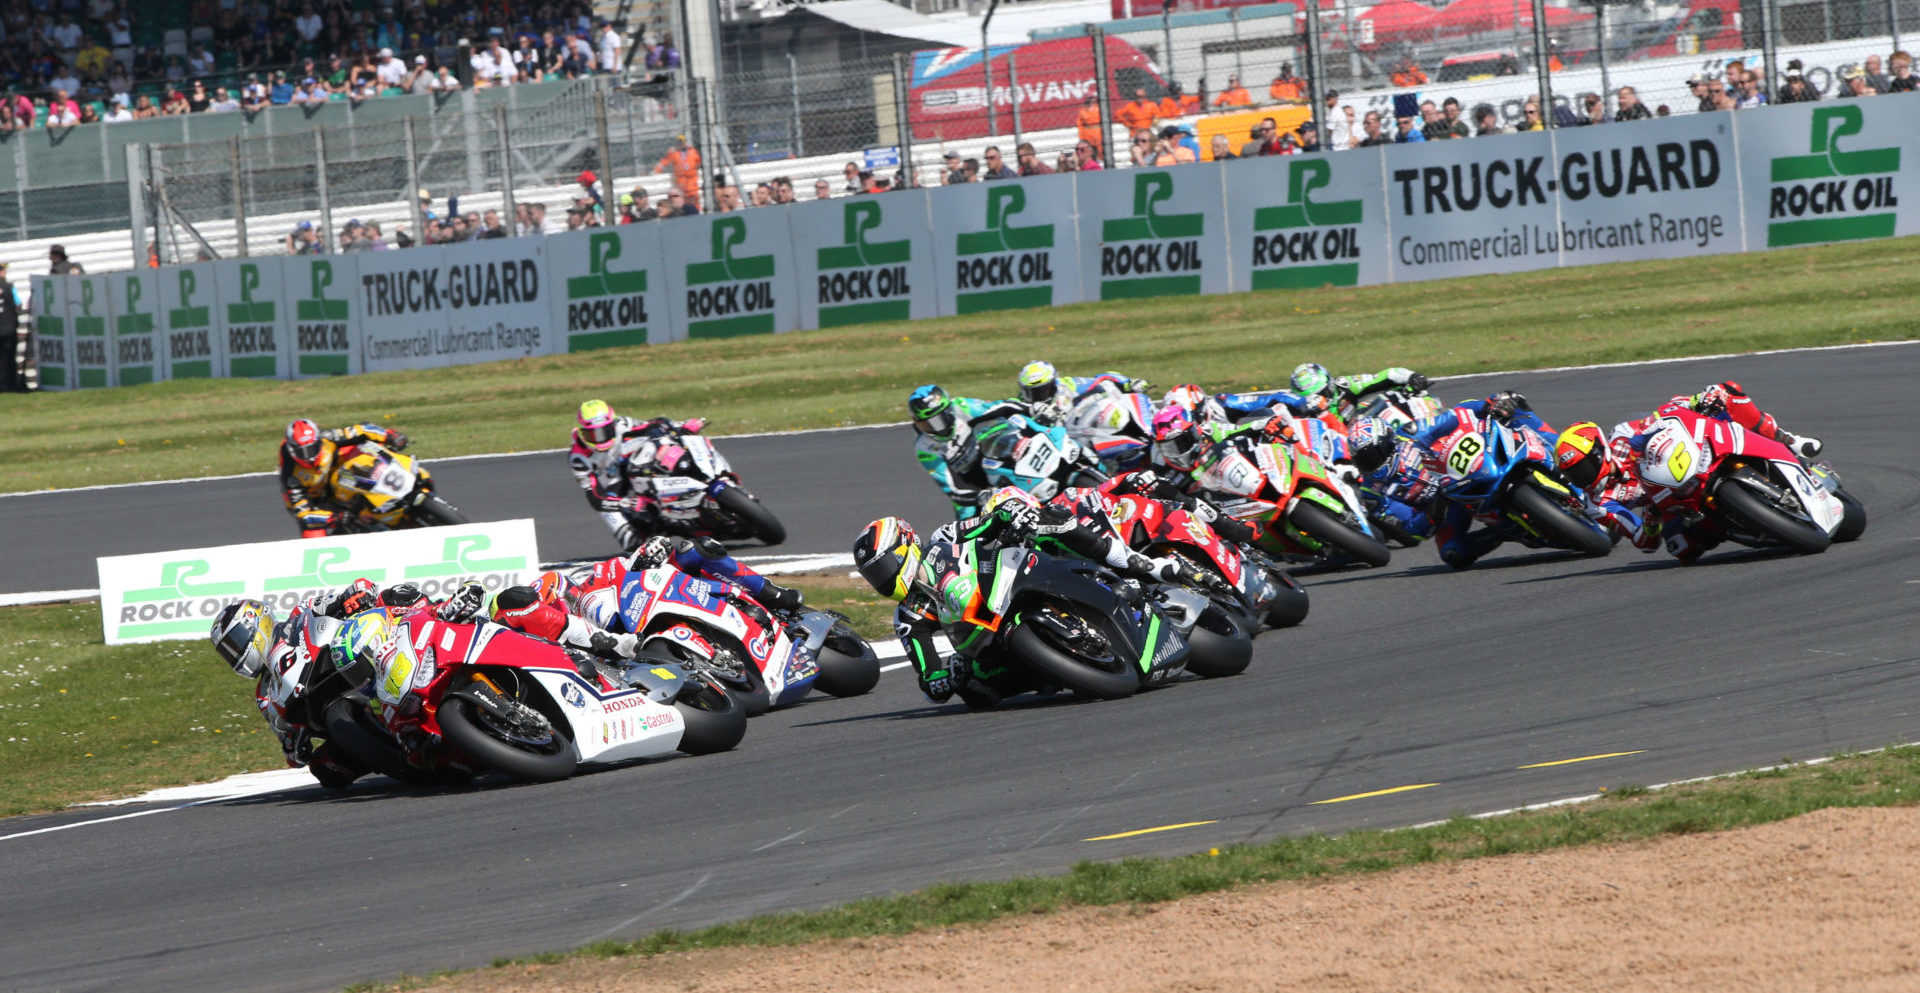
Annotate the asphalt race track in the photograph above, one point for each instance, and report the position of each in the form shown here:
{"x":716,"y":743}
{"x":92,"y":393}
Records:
{"x":1411,"y":676}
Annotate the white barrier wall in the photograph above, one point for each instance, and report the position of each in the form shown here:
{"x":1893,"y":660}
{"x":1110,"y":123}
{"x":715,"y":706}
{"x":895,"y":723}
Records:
{"x":1669,"y":188}
{"x":163,"y":596}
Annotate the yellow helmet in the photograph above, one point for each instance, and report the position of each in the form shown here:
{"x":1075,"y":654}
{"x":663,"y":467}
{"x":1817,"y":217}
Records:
{"x":597,"y":427}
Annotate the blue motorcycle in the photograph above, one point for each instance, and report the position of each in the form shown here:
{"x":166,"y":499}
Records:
{"x":1506,"y":477}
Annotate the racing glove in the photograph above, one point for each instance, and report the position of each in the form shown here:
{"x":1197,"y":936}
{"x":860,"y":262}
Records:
{"x":352,"y":600}
{"x":1501,"y":407}
{"x":1023,"y":521}
{"x":464,"y":605}
{"x":397,"y":440}
{"x":1279,"y":428}
{"x":654,"y":551}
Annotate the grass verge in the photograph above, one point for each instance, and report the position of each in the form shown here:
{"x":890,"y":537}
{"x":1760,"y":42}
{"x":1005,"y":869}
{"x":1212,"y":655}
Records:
{"x":81,"y":720}
{"x":1630,"y":813}
{"x":1725,"y":303}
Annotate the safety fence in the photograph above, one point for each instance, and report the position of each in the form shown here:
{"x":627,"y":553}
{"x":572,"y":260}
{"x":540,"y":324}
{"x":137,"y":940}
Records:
{"x":1672,"y":188}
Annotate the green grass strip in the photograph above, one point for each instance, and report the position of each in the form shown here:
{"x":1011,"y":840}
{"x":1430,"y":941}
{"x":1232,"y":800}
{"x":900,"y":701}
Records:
{"x":1826,"y":295}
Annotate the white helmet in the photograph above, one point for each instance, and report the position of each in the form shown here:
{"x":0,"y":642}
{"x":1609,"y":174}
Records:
{"x":1039,"y":382}
{"x":240,"y":635}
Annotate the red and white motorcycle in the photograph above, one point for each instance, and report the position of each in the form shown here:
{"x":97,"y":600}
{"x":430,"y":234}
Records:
{"x":1753,"y":487}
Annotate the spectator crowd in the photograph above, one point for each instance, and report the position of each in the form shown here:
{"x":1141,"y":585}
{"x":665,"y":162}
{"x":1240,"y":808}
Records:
{"x":69,"y":62}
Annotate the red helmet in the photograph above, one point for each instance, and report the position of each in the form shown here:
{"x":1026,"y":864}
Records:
{"x":1581,"y":454}
{"x":303,"y":442}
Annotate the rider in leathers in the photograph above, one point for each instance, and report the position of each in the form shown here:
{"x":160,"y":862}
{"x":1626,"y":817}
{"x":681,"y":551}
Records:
{"x":945,"y":446}
{"x":1347,"y":394}
{"x":623,"y":500}
{"x":306,"y":468}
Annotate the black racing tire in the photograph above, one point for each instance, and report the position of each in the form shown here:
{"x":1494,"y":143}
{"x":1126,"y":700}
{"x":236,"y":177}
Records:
{"x":1035,"y":646}
{"x":1289,"y":607}
{"x":758,"y":520}
{"x":1801,"y":536}
{"x":1854,"y":523}
{"x":352,"y":732}
{"x":715,"y":720}
{"x":1220,"y":644}
{"x":462,"y":727}
{"x":1558,"y":525}
{"x":435,"y":511}
{"x":1335,"y":533}
{"x":848,"y":664}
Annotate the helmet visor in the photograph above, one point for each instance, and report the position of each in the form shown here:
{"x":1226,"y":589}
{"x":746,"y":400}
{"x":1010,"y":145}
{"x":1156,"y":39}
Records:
{"x":598,"y":434}
{"x":1372,"y":456}
{"x":939,"y":424}
{"x":1584,"y":472}
{"x":306,"y":453}
{"x":1041,"y":393}
{"x":1180,"y":449}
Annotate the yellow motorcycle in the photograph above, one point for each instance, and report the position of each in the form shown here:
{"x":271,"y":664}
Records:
{"x":376,"y":489}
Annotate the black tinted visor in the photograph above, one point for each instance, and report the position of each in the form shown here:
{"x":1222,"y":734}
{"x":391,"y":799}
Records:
{"x":308,"y":452}
{"x":937,"y":424}
{"x":233,"y":643}
{"x":1584,"y":472}
{"x":1372,"y":457}
{"x":1041,"y":393}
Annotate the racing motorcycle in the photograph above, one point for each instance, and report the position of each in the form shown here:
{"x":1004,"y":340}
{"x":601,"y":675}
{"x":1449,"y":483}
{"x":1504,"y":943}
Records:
{"x":699,"y":493}
{"x":1037,"y":621}
{"x":378,"y":489}
{"x":1399,"y":407}
{"x":1507,"y":477}
{"x":503,"y":701}
{"x":1114,"y":428}
{"x":1262,"y":590}
{"x":765,"y":659}
{"x":1753,"y":487}
{"x":1018,"y":451}
{"x":1296,"y":503}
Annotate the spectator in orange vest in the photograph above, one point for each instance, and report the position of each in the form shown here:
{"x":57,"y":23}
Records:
{"x":684,"y":162}
{"x":1287,"y":87}
{"x":1176,"y":104}
{"x":1089,"y":123}
{"x":1234,"y":95}
{"x":1139,"y":112}
{"x":1407,"y":73}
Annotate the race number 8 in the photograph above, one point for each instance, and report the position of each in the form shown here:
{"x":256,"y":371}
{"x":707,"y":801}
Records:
{"x":1460,"y":460}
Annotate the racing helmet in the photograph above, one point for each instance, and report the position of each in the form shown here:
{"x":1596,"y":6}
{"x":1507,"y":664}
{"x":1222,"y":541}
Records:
{"x":597,"y":427}
{"x":887,"y":553}
{"x":1176,"y":440}
{"x":1039,"y":383}
{"x":1312,"y":379}
{"x":1005,"y":495}
{"x":932,"y":410}
{"x":1581,"y":454}
{"x":552,"y":587}
{"x":1187,"y":396}
{"x":1370,"y":443}
{"x":240,"y":634}
{"x":360,"y":645}
{"x":303,"y":442}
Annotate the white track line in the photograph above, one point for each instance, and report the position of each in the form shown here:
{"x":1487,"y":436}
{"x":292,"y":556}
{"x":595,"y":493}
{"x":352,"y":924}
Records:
{"x":895,"y":424}
{"x":46,"y":596}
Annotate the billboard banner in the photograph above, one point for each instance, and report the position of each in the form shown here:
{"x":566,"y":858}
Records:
{"x":187,"y":331}
{"x":1467,"y":208}
{"x":1296,"y":222}
{"x":1000,"y":246}
{"x":52,"y":331}
{"x":1647,"y":190}
{"x":319,"y":291}
{"x":162,"y":596}
{"x":255,"y":335}
{"x":450,"y":305}
{"x":863,"y":259}
{"x":608,"y":288}
{"x":1831,"y":172}
{"x":732,"y":274}
{"x":1152,"y":233}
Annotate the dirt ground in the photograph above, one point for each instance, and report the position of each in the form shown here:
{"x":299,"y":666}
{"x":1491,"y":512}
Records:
{"x":1827,"y":901}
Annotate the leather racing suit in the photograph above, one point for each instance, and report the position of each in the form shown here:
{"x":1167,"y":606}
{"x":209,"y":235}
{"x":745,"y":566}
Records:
{"x":308,"y":491}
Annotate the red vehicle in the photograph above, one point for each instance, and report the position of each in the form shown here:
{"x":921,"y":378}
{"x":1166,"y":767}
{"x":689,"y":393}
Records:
{"x":949,"y":95}
{"x":1754,"y":488}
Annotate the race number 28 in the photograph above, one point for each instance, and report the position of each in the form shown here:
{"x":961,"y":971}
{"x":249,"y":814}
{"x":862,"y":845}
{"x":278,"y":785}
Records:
{"x":1460,"y":460}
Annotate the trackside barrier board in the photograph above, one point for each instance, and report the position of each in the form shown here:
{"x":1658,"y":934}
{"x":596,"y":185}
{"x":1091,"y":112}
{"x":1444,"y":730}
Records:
{"x":163,"y":596}
{"x":1678,"y":187}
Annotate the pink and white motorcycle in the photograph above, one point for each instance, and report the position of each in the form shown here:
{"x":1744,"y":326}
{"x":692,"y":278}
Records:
{"x":700,"y":495}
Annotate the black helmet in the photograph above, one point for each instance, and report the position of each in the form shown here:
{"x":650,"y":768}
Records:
{"x":888,"y":553}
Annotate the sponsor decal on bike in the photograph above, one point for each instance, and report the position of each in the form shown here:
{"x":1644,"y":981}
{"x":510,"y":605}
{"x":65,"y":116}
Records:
{"x":1833,"y":193}
{"x":1005,"y":266}
{"x":729,"y":296}
{"x":571,"y":694}
{"x":863,"y":281}
{"x":189,"y":328}
{"x":606,"y":307}
{"x":1303,"y":243}
{"x":321,"y":344}
{"x":1151,"y":254}
{"x":623,"y":703}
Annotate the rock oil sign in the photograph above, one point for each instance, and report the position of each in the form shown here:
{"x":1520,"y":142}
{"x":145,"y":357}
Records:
{"x":1146,"y":233}
{"x":864,"y":259}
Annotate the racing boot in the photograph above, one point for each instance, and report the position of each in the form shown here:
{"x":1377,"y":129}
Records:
{"x":780,"y":597}
{"x":609,"y":646}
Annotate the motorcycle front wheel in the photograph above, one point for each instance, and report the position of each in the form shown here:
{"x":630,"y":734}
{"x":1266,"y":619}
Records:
{"x":848,"y":664}
{"x":715,"y":721}
{"x":1337,"y":535}
{"x":1557,"y":524}
{"x":1800,"y":535}
{"x":758,"y":520}
{"x":1220,"y":644}
{"x":351,"y":730}
{"x":435,"y":511}
{"x":540,"y":757}
{"x":1289,"y":606}
{"x":1087,"y":665}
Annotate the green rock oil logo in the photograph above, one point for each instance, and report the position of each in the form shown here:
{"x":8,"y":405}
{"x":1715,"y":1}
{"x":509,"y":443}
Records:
{"x":189,"y":331}
{"x":89,"y":338}
{"x":1006,"y":266}
{"x":133,"y":338}
{"x":184,"y":602}
{"x":1150,"y":254}
{"x":606,"y":308}
{"x":253,"y":346}
{"x":320,"y":326}
{"x":50,"y":333}
{"x":862,"y":281}
{"x":1833,"y":194}
{"x":730,"y":296}
{"x":1303,"y":244}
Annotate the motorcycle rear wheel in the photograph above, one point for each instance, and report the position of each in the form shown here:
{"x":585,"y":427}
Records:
{"x":1558,"y":525}
{"x":473,"y":733}
{"x":1801,"y":536}
{"x":1219,"y":645}
{"x":715,"y":721}
{"x":848,"y":664}
{"x":435,"y":511}
{"x":1108,"y":678}
{"x":1331,"y":531}
{"x":758,"y":520}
